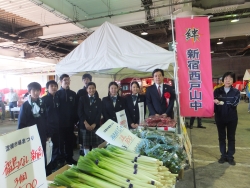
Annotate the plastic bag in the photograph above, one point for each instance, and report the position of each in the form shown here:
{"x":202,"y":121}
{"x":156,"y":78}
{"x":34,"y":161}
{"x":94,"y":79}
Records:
{"x":49,"y":148}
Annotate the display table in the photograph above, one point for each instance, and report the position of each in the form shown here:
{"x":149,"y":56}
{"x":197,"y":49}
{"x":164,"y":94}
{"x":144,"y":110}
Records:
{"x":243,"y":95}
{"x":16,"y":111}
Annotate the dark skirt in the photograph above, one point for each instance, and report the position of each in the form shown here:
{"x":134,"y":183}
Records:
{"x":89,"y":138}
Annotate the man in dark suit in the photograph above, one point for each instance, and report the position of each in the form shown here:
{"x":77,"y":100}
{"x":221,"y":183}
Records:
{"x":160,"y":97}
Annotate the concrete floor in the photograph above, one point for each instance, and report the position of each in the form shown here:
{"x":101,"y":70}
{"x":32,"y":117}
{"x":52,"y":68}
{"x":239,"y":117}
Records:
{"x":205,"y":171}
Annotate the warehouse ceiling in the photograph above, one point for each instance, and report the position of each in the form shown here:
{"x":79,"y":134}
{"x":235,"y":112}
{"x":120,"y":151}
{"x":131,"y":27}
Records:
{"x":49,"y":29}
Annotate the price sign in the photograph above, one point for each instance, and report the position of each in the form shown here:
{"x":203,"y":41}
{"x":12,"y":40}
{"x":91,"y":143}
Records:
{"x":22,"y":162}
{"x":118,"y":135}
{"x":122,"y":118}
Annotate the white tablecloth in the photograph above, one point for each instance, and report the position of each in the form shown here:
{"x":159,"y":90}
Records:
{"x":15,"y":109}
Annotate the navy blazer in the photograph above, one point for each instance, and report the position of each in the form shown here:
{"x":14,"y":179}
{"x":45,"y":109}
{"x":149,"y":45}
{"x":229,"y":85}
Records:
{"x":68,"y":108}
{"x":132,"y":111}
{"x":109,"y":110}
{"x":26,"y":119}
{"x":52,"y":109}
{"x":157,"y":104}
{"x":91,"y":113}
{"x":83,"y":92}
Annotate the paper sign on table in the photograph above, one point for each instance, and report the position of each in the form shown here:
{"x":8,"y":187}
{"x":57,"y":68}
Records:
{"x":122,"y":118}
{"x":22,"y":159}
{"x":118,"y":135}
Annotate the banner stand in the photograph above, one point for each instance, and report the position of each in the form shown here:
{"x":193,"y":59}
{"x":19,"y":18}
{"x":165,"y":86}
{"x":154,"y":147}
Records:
{"x":181,"y":128}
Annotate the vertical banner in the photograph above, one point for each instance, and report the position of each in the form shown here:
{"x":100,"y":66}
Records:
{"x":22,"y":159}
{"x":194,"y":67}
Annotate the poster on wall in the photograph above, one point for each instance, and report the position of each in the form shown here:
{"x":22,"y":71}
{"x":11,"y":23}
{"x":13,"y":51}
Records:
{"x":194,"y":67}
{"x":22,"y":159}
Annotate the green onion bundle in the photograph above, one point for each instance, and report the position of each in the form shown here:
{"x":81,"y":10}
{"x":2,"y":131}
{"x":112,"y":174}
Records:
{"x":114,"y":167}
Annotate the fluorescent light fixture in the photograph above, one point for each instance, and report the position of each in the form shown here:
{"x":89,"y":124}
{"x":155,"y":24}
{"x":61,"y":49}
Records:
{"x":212,"y":52}
{"x":220,"y":42}
{"x":235,"y":20}
{"x":75,"y":42}
{"x":144,"y":33}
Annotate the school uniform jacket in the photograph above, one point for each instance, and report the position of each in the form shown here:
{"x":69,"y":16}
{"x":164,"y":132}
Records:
{"x":109,"y":110}
{"x":89,"y":112}
{"x":157,"y":104}
{"x":132,"y":111}
{"x":67,"y":109}
{"x":27,"y":119}
{"x":52,"y":109}
{"x":83,"y":92}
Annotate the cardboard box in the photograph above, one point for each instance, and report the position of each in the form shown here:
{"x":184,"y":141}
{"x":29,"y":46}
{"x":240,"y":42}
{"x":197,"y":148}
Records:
{"x":51,"y":177}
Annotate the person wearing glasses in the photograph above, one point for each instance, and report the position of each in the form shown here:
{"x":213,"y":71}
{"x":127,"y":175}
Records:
{"x":67,"y":119}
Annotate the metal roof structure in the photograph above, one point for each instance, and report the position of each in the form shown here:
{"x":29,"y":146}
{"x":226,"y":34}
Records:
{"x":51,"y":29}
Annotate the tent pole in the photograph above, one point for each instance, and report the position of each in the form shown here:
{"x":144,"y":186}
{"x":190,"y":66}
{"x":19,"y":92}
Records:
{"x":176,"y":83}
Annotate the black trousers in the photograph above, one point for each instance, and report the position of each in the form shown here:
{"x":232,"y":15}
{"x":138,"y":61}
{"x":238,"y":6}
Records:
{"x":227,"y":129}
{"x":66,"y":142}
{"x":56,"y":146}
{"x":192,"y":121}
{"x":12,"y":105}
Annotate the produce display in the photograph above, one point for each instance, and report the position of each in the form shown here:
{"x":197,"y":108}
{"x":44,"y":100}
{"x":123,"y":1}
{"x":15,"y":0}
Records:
{"x":159,"y":121}
{"x":160,"y":145}
{"x":114,"y":167}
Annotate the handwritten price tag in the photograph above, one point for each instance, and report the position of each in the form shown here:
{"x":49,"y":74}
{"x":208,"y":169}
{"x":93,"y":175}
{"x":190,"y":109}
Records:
{"x":118,"y":135}
{"x":122,"y":118}
{"x":22,"y":160}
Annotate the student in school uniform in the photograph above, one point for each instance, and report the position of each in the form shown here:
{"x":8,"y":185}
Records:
{"x":33,"y":112}
{"x":67,"y":119}
{"x":86,"y":78}
{"x":51,"y":101}
{"x":131,"y":105}
{"x":89,"y":112}
{"x":112,"y":103}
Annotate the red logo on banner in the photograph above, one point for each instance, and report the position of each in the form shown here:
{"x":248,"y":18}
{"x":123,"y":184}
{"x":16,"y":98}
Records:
{"x":194,"y":62}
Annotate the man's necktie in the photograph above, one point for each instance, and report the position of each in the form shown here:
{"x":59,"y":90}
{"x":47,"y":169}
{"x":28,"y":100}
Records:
{"x":134,"y":97}
{"x":159,"y":91}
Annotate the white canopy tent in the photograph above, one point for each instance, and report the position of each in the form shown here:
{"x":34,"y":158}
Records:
{"x":114,"y":51}
{"x":247,"y":75}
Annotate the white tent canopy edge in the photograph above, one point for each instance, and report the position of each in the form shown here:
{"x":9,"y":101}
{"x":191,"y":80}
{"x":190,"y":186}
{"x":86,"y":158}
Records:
{"x":114,"y":51}
{"x":247,"y":75}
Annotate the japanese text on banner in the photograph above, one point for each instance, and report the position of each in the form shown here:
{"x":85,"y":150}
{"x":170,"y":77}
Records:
{"x":194,"y":67}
